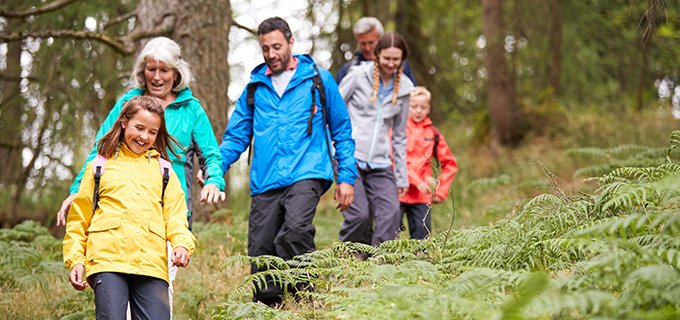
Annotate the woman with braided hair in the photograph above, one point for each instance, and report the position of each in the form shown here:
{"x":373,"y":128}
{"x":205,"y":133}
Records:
{"x":377,"y":97}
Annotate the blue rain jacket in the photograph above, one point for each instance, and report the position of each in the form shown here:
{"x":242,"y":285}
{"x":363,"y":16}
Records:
{"x":283,"y":152}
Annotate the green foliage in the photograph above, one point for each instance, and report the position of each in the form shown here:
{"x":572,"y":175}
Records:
{"x":610,"y":254}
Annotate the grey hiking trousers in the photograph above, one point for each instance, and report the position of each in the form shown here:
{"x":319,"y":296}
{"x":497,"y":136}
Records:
{"x":375,"y":199}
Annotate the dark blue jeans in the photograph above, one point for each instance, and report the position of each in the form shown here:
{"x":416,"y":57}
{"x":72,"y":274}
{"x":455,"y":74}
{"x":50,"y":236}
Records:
{"x":419,"y":219}
{"x":148,"y":296}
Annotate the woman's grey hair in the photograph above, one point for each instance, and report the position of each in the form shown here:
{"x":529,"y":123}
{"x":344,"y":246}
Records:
{"x":167,"y":51}
{"x":367,"y":24}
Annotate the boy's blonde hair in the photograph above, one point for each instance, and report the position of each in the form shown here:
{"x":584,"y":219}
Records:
{"x":421,"y":91}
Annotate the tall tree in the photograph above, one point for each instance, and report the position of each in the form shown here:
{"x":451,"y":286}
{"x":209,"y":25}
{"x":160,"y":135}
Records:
{"x":504,"y":111}
{"x":202,"y":30}
{"x":555,"y":47}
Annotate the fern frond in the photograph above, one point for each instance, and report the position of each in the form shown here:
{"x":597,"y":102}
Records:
{"x":347,"y":249}
{"x":594,"y":170}
{"x":589,"y":152}
{"x":586,"y":302}
{"x":625,"y":227}
{"x":675,"y":142}
{"x":264,"y":261}
{"x":543,"y":199}
{"x":630,"y":196}
{"x":488,"y":183}
{"x":627,"y":149}
{"x":481,"y":281}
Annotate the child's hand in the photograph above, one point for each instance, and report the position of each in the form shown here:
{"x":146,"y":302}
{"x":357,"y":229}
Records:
{"x":76,"y":277}
{"x":424,"y":187}
{"x":180,"y":257}
{"x":437,"y":199}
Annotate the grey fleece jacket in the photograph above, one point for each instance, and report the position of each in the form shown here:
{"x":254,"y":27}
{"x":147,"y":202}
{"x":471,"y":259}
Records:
{"x":372,"y":121}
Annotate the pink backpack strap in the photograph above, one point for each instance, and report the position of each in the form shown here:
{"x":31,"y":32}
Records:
{"x":165,"y":164}
{"x":98,"y":161}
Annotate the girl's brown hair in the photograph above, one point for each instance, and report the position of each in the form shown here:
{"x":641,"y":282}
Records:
{"x":108,"y":144}
{"x":388,"y":40}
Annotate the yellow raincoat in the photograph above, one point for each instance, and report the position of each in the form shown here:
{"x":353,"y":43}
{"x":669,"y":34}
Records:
{"x":128,"y":231}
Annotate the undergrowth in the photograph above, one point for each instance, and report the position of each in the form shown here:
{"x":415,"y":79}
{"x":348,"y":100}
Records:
{"x":613,"y":253}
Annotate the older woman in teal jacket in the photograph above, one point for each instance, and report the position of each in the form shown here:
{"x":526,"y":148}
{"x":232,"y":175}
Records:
{"x":160,"y":71}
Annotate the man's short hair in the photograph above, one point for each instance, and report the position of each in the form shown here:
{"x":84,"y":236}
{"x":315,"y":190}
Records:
{"x":367,"y":24}
{"x":273,"y":24}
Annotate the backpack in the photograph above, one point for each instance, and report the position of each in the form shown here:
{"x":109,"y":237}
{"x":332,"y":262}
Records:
{"x":436,"y":143}
{"x":99,"y":163}
{"x":316,"y":86}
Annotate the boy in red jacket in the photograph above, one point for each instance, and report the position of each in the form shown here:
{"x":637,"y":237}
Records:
{"x":423,"y":142}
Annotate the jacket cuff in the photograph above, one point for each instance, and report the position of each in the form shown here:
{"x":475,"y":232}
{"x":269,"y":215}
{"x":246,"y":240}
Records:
{"x":72,"y":262}
{"x":184,"y":241}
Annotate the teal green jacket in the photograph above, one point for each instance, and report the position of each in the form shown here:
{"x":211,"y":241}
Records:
{"x":187,"y":122}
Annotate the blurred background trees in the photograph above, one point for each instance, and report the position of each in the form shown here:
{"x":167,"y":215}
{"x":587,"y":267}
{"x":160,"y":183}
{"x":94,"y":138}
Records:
{"x":503,"y":70}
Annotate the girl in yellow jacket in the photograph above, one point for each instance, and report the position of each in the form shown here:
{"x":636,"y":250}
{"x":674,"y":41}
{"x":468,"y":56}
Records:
{"x":119,"y":247}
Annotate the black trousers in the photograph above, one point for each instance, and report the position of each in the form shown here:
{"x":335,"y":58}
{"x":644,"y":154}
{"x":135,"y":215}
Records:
{"x":280,"y":224}
{"x":419,"y":219}
{"x":148,"y":296}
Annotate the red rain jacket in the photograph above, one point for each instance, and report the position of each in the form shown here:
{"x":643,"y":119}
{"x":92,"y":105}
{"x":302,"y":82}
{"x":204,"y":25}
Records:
{"x":419,"y":153}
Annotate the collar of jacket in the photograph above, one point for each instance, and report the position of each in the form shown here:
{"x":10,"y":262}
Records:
{"x":359,"y":57}
{"x":405,"y":84}
{"x":183,"y":96}
{"x":304,"y":71}
{"x":427,"y":122}
{"x":124,"y":151}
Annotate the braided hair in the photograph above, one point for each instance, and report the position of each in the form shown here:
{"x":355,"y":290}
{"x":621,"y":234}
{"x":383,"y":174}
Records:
{"x":388,"y":40}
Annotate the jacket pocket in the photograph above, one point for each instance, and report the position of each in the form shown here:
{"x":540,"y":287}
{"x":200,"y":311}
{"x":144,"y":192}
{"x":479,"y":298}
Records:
{"x":157,"y":229}
{"x":103,"y":222}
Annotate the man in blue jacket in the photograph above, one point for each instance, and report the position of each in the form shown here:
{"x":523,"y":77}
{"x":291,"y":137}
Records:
{"x":291,"y":166}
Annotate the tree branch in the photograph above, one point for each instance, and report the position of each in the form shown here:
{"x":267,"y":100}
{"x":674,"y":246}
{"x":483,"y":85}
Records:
{"x":240,"y":26}
{"x":119,"y":19}
{"x":52,"y":6}
{"x":112,"y":42}
{"x":124,"y":45}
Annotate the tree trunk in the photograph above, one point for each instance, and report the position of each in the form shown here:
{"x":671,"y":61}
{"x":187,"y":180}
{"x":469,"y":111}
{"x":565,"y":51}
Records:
{"x":504,"y":112}
{"x":11,"y":102}
{"x":379,"y":9}
{"x":644,"y":69}
{"x":202,"y":30}
{"x":555,"y":48}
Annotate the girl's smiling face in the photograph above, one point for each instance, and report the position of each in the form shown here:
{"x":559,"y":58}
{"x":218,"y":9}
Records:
{"x":140,"y":132}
